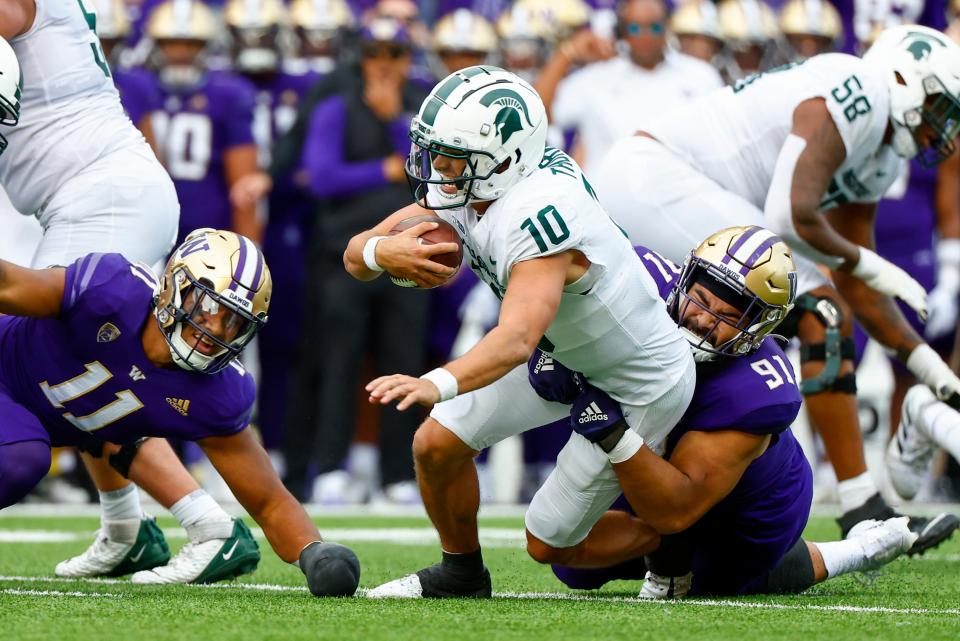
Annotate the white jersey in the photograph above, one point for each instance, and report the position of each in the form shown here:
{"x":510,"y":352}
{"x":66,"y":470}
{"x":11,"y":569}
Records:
{"x":611,"y":325}
{"x":735,"y":135}
{"x":70,"y":113}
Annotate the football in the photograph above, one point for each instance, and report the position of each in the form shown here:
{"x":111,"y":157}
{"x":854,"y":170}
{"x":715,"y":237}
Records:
{"x":444,"y":233}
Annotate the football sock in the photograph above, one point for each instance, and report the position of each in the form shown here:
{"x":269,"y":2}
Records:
{"x":943,"y":427}
{"x":202,"y":517}
{"x":841,"y":557}
{"x":119,"y":505}
{"x":855,"y":492}
{"x":463,"y":566}
{"x":794,"y":573}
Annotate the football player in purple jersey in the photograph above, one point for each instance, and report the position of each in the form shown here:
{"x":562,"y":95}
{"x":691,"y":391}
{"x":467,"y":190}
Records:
{"x":734,"y":483}
{"x":100,"y":351}
{"x":280,"y":88}
{"x":205,"y":130}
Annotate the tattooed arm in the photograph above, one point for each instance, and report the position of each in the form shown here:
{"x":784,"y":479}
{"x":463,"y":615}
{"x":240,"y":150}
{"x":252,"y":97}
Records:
{"x":821,"y":152}
{"x":878,"y":314}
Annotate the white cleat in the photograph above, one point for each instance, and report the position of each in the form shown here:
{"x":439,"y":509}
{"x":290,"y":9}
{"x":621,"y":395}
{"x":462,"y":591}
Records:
{"x":911,"y":450}
{"x":99,"y":559}
{"x":207,"y":562}
{"x":658,"y":588}
{"x":407,"y":587}
{"x":882,"y":541}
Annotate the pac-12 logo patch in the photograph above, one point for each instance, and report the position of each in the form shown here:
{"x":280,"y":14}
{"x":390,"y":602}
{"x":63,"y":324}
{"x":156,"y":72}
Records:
{"x":108,"y":332}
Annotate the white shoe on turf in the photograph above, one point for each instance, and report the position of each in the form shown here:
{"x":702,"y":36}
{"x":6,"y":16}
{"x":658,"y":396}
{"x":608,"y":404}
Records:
{"x":882,"y":541}
{"x":656,"y":587}
{"x":119,"y":547}
{"x":911,"y":450}
{"x":407,"y":587}
{"x":208,"y":562}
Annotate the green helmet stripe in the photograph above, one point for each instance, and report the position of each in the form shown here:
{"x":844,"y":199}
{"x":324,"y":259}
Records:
{"x":444,"y":91}
{"x":430,"y":110}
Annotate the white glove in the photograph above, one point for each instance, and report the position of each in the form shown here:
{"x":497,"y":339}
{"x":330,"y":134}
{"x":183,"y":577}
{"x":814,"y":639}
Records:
{"x":943,"y":300}
{"x":929,"y":368}
{"x":885,"y":277}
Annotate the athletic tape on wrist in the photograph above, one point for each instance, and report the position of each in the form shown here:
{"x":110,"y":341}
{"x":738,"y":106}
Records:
{"x":370,"y":253}
{"x":868,"y":265}
{"x":445,"y":382}
{"x":628,"y":445}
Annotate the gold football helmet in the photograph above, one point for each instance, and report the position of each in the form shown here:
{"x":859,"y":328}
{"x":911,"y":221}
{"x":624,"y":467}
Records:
{"x":811,"y":26}
{"x":696,"y":27}
{"x":749,"y":268}
{"x":318,"y":25}
{"x":524,"y":41}
{"x":750,"y":30}
{"x":213,"y":299}
{"x":461,"y":39}
{"x":255,"y":34}
{"x":565,"y":16}
{"x":112,"y":20}
{"x":181,"y":31}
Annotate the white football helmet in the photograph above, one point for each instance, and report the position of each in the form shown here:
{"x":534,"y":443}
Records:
{"x":11,"y":86}
{"x":922,"y":70}
{"x":487,"y":116}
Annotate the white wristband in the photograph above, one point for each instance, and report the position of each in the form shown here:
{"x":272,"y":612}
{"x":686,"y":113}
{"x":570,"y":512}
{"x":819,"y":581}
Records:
{"x":445,"y":382}
{"x":923,"y":363}
{"x":628,"y":445}
{"x":370,"y":253}
{"x":868,"y":265}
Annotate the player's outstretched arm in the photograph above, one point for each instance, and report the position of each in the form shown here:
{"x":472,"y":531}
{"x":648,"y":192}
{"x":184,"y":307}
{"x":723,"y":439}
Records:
{"x":672,"y":495}
{"x":16,"y":17}
{"x":402,"y":255}
{"x":239,"y":162}
{"x":331,"y":569}
{"x":810,"y":156}
{"x":529,"y":306}
{"x":30,"y":292}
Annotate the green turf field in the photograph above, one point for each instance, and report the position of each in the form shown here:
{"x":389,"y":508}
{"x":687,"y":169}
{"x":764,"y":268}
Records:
{"x":912,"y":599}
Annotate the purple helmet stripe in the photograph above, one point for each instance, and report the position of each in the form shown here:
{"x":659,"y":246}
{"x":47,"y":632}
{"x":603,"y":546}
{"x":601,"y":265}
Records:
{"x":251,"y":290}
{"x":241,"y":263}
{"x":738,"y":243}
{"x":758,"y":252}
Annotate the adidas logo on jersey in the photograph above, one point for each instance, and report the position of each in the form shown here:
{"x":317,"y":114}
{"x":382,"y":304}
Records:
{"x":544,"y":364}
{"x":592,"y":413}
{"x":179,"y":404}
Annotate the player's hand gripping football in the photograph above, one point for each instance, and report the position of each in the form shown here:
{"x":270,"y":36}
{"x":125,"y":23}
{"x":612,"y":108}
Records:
{"x":404,"y":256}
{"x":405,"y":389}
{"x":886,"y":278}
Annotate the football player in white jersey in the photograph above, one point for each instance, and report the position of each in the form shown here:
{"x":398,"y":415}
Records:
{"x":808,"y":150}
{"x":568,"y":279}
{"x":78,"y":164}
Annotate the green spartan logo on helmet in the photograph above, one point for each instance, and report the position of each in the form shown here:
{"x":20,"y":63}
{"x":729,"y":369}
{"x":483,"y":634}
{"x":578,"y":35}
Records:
{"x":920,"y":44}
{"x":507,"y":120}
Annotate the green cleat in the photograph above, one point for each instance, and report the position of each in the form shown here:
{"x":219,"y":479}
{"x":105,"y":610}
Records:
{"x":209,"y":561}
{"x":108,"y":557}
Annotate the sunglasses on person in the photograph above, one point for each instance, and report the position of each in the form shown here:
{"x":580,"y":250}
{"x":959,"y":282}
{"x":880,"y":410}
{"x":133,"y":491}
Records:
{"x":379,"y":50}
{"x":637,"y":28}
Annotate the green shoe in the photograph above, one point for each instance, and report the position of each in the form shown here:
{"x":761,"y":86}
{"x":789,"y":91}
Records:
{"x":105,"y":557}
{"x":209,"y":561}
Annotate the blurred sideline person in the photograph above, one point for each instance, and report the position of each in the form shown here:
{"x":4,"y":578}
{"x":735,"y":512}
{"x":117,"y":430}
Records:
{"x":353,"y":158}
{"x":750,"y":34}
{"x":810,"y":27}
{"x":78,"y":164}
{"x":258,"y":55}
{"x":608,"y":100}
{"x":695,"y":25}
{"x":525,"y":39}
{"x":182,"y":335}
{"x":461,"y":39}
{"x":835,"y":129}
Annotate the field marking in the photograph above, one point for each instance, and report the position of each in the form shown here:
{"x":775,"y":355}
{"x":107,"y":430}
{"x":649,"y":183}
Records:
{"x":21,"y":592}
{"x":490,"y":537}
{"x":547,"y":596}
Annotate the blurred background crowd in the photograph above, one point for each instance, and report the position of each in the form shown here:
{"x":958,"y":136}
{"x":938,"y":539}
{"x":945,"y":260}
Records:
{"x":287,"y":121}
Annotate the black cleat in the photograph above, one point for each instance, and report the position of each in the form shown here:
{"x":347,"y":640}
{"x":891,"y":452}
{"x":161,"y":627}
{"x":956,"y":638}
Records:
{"x":932,"y":531}
{"x":435,"y":582}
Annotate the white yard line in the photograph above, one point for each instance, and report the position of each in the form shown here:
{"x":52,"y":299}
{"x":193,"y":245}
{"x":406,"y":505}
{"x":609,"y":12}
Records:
{"x":547,"y":596}
{"x":489,"y":537}
{"x":20,"y":592}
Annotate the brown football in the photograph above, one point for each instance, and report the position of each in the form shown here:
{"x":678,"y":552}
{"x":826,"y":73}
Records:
{"x":444,"y":233}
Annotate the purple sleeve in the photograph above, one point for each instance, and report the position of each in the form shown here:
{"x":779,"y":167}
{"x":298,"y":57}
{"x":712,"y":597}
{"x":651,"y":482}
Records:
{"x":755,"y":393}
{"x":239,"y":125}
{"x":329,"y":174}
{"x":98,"y":285}
{"x":662,"y":270}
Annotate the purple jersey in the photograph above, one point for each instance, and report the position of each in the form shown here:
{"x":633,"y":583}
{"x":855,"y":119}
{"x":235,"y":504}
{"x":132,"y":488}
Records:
{"x":862,"y":18}
{"x":139,"y":92}
{"x":194,"y":131}
{"x":86,"y":373}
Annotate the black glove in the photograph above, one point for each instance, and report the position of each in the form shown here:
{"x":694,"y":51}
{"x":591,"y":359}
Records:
{"x":331,"y":569}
